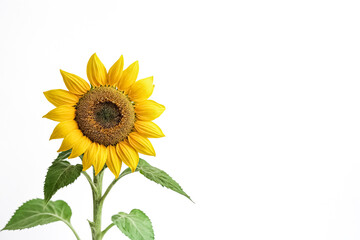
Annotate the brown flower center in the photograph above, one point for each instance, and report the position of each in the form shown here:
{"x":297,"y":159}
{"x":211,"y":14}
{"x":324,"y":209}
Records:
{"x":105,"y":115}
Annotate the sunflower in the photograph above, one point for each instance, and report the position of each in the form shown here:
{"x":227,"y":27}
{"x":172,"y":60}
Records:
{"x":108,"y":121}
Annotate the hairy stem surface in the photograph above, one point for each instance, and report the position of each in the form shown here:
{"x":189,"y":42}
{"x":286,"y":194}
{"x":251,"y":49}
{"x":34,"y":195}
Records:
{"x":97,"y":207}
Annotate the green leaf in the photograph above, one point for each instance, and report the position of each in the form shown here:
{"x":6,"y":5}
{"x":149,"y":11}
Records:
{"x":60,"y":174}
{"x":160,"y":177}
{"x":136,"y":225}
{"x":36,"y":212}
{"x":63,"y":155}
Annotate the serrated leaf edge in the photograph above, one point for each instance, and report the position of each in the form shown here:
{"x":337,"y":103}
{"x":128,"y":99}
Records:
{"x":56,"y":162}
{"x":56,"y":216}
{"x":140,"y":170}
{"x":127,"y":214}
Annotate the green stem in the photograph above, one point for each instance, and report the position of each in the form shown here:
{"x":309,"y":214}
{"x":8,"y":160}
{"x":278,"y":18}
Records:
{"x":72,"y":229}
{"x":98,"y":201}
{"x":97,"y":206}
{"x":107,"y":229}
{"x":124,"y":173}
{"x":93,"y":188}
{"x":108,"y":189}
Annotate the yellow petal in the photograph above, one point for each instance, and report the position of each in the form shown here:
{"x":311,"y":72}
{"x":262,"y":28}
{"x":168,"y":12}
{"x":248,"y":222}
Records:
{"x":90,"y":155}
{"x":60,"y":97}
{"x":70,"y":140}
{"x":128,"y":155}
{"x":148,"y":129}
{"x":61,"y":113}
{"x":141,"y":90}
{"x":115,"y":72}
{"x":141,"y":144}
{"x":74,"y":83}
{"x":63,"y":129}
{"x":80,"y":147}
{"x":128,"y":76}
{"x":113,"y":161}
{"x":96,"y":71}
{"x":101,"y":159}
{"x":148,"y":110}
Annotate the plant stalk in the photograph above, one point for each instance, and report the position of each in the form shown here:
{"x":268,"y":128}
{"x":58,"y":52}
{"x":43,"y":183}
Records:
{"x":98,"y":201}
{"x":107,"y":229}
{"x":72,"y":229}
{"x":97,"y":207}
{"x":123,"y":174}
{"x":93,"y":188}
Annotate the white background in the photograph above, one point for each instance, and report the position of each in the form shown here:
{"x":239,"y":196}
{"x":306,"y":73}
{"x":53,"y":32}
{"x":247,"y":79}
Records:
{"x":262,"y":122}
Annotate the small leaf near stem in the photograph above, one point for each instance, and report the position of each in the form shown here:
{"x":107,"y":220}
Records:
{"x":60,"y":174}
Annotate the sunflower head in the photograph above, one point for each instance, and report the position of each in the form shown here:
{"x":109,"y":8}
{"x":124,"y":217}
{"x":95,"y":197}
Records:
{"x":109,"y":122}
{"x":105,"y":115}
